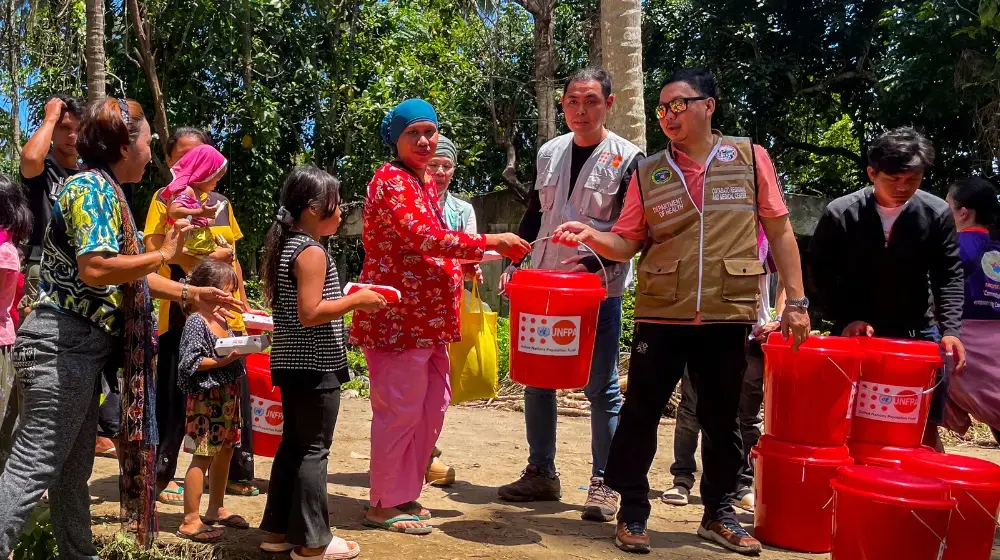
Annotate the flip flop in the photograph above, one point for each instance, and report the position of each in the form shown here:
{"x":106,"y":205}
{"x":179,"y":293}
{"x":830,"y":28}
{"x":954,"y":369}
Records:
{"x":249,"y":489}
{"x":179,"y":501}
{"x":338,"y":549}
{"x":408,"y":506}
{"x":276,"y":547}
{"x":233,"y":521}
{"x":197,"y":536}
{"x":389,"y":525}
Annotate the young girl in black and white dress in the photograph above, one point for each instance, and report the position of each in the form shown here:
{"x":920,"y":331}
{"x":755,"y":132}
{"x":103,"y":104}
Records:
{"x":308,"y":363}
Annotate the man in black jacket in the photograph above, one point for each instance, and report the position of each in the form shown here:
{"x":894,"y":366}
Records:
{"x":885,"y":262}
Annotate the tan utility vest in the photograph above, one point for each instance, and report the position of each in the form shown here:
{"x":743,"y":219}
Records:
{"x":700,"y":262}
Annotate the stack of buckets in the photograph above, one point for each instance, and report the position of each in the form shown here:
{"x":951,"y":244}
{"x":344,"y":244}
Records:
{"x":841,"y":400}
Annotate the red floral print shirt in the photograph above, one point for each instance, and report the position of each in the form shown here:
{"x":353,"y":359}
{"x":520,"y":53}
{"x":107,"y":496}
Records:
{"x":408,"y":247}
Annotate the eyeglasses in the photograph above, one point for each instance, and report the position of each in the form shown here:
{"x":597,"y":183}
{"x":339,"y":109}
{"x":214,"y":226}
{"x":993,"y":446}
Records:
{"x":676,"y":106}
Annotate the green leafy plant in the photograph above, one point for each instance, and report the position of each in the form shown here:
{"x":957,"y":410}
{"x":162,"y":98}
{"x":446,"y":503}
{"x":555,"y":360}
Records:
{"x":37,"y":541}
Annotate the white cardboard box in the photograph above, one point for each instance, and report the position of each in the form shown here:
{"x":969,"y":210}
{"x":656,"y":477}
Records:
{"x":243,"y":345}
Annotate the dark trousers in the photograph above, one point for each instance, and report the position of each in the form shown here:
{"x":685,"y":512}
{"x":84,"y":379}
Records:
{"x":715,"y":357}
{"x":171,"y":416}
{"x":296,"y":497}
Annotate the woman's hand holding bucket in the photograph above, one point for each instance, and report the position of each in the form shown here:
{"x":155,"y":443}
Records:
{"x":508,"y":244}
{"x":573,"y":234}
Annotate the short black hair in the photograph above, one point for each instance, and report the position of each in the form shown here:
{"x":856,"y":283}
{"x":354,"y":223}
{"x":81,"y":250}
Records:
{"x":592,"y":74}
{"x":74,"y":105}
{"x":901,"y":150}
{"x":703,"y":81}
{"x":183,"y":131}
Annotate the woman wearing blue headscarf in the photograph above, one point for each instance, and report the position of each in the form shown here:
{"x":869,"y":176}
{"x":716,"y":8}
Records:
{"x":408,"y":246}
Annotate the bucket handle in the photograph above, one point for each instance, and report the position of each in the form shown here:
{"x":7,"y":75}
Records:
{"x":933,"y":532}
{"x":593,"y":252}
{"x":842,"y":372}
{"x":936,"y":385}
{"x":981,"y":506}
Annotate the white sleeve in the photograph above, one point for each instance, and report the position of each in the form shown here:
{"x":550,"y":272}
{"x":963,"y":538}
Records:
{"x":470,"y":223}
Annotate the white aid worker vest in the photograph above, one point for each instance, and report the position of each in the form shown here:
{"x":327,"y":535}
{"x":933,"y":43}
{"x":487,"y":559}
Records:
{"x":594,"y":200}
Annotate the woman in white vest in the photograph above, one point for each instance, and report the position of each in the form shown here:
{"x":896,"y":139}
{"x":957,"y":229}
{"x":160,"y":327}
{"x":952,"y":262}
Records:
{"x":582,"y":176}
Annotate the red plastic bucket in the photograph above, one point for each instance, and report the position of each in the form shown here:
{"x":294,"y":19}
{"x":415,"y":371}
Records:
{"x":875,"y":455}
{"x":793,"y":494}
{"x":553,"y":324}
{"x":894,"y":392}
{"x":975,"y":483}
{"x":265,"y":405}
{"x":815,"y":383}
{"x":885,"y":514}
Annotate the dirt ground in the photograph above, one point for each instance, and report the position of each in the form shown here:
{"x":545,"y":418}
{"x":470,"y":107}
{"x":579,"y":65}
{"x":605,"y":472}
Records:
{"x":488,"y":449}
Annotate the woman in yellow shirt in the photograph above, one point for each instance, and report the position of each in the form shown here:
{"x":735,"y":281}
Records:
{"x":170,"y":406}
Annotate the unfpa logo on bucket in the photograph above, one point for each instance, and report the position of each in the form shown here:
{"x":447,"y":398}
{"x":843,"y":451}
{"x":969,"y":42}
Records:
{"x":905,"y":401}
{"x":274,"y":415}
{"x":268,"y":416}
{"x":548,"y":335}
{"x":888,"y":403}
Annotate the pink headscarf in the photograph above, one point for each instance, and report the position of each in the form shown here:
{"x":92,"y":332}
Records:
{"x":197,"y":166}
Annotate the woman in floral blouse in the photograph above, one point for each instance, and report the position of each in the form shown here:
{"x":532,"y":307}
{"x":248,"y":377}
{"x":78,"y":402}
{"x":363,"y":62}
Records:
{"x":409,"y":247}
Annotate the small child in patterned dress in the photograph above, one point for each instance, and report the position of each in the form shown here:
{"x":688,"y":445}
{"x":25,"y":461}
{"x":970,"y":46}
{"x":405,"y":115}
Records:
{"x":213,"y":409}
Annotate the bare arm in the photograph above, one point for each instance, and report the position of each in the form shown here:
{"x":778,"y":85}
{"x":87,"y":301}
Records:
{"x":34,"y":151}
{"x":609,"y":245}
{"x":184,"y":260}
{"x":105,"y":269}
{"x":242,"y":292}
{"x":786,"y":253}
{"x":310,"y":273}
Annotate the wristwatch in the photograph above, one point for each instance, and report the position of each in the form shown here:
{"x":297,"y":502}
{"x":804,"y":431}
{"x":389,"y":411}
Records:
{"x":802,"y":302}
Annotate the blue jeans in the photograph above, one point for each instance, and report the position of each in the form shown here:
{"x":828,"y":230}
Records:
{"x":602,"y":391}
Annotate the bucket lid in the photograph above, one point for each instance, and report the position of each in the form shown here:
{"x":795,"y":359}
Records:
{"x":770,"y":445}
{"x":822,"y":344}
{"x":957,"y":469}
{"x":864,"y":451}
{"x":555,"y":279}
{"x":893,"y":483}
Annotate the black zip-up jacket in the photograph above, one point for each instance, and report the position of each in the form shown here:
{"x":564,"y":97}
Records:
{"x":899,"y":287}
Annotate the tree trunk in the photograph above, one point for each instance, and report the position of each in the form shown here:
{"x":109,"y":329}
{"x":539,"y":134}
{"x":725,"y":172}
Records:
{"x":621,"y":42}
{"x":149,"y":67}
{"x":14,"y":73}
{"x":96,"y":74}
{"x":543,"y":12}
{"x":595,"y":55}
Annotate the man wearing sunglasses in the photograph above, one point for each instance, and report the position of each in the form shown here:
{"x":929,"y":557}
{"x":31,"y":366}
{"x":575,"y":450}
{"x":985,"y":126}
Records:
{"x":582,"y":176}
{"x":694,"y":210}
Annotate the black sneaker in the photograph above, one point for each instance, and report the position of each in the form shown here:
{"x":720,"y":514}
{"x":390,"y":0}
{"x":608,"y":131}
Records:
{"x":730,"y":535}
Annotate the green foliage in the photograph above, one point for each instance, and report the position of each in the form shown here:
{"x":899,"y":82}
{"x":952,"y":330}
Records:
{"x":37,"y":541}
{"x":628,"y":320}
{"x":503,"y":343}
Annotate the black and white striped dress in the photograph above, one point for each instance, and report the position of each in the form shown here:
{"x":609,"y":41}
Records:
{"x":306,"y":357}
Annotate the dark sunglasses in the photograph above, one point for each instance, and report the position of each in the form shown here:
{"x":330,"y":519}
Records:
{"x":676,"y":106}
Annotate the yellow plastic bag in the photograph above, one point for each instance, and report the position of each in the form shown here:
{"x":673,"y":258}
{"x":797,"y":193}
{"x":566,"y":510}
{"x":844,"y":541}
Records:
{"x":474,"y":370}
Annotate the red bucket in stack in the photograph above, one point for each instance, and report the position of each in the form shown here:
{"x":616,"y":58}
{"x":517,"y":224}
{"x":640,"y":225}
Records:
{"x":975,"y":483}
{"x":807,"y":394}
{"x":265,"y":405}
{"x":793,"y":494}
{"x":888,"y":514}
{"x":894,"y":392}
